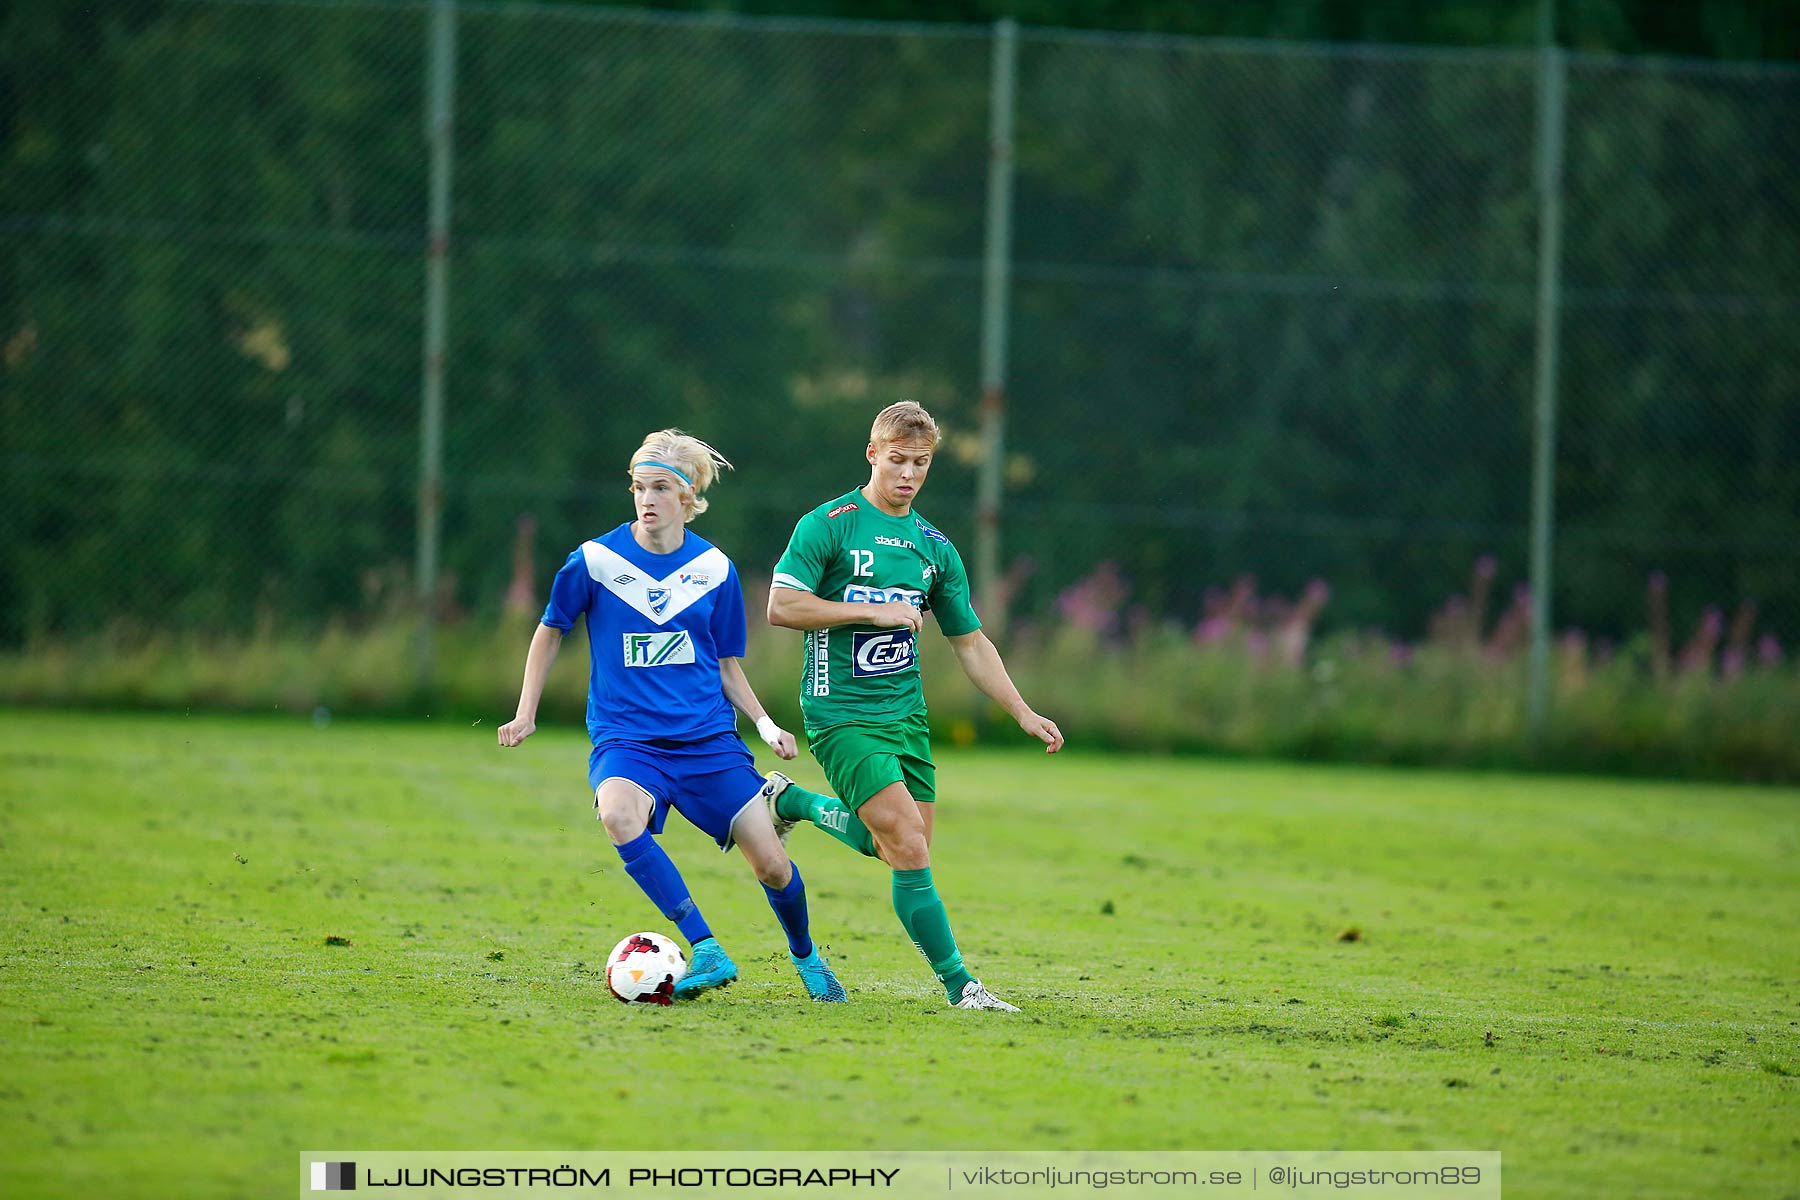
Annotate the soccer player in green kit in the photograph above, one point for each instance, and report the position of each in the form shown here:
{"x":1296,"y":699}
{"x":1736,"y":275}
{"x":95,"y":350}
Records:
{"x":858,"y":577}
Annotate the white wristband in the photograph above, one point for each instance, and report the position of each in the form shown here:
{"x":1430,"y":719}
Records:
{"x":768,"y":730}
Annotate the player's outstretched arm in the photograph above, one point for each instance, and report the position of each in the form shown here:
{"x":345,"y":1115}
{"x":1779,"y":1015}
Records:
{"x":981,"y":663}
{"x":791,"y":608}
{"x":743,"y":698}
{"x":544,"y":645}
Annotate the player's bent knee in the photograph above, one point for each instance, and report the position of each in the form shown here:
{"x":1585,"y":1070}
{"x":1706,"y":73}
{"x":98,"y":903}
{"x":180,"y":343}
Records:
{"x":899,"y":831}
{"x":623,"y":825}
{"x":908,"y":852}
{"x":763,"y":851}
{"x":624,"y":811}
{"x":891,"y":811}
{"x":773,"y":871}
{"x":901,"y":841}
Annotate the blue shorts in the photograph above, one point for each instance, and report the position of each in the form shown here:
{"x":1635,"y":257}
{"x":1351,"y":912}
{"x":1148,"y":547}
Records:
{"x":709,"y":782}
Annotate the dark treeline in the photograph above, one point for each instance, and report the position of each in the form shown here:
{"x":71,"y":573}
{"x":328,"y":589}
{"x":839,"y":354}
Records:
{"x":1273,"y":308}
{"x":1747,"y":30}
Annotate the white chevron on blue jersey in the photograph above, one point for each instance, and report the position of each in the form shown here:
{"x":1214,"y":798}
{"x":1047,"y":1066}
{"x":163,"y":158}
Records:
{"x":662,"y":600}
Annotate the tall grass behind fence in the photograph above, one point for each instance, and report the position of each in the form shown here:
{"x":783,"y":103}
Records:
{"x":1254,"y":677}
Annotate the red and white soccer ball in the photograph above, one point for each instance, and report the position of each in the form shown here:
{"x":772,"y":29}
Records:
{"x":644,"y":968}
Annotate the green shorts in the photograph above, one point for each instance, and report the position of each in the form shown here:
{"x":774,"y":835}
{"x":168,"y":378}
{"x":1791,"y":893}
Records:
{"x":860,"y":760}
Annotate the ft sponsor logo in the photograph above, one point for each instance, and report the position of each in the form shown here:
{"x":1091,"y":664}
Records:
{"x":658,"y":649}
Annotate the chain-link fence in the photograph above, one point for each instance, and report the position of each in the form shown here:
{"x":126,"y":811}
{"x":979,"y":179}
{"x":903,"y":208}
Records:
{"x":1272,"y":308}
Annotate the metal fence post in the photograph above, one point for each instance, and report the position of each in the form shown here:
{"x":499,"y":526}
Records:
{"x":439,"y":119}
{"x":996,"y":295}
{"x":1552,"y":71}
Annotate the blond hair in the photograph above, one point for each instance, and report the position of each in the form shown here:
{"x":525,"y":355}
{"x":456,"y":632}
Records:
{"x":694,"y":464}
{"x":907,"y":423}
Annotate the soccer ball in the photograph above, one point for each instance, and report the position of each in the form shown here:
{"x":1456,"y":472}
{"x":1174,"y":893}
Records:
{"x":643,"y":969}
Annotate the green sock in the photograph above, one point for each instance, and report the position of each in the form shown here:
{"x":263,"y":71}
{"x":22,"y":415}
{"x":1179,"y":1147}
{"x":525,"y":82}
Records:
{"x":922,"y":915}
{"x":827,"y":812}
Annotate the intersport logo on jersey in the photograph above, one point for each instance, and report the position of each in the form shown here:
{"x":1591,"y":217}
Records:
{"x":884,"y":653}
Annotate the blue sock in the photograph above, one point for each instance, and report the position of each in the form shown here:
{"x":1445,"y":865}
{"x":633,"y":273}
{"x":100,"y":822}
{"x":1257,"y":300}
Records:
{"x":789,"y":904}
{"x":652,"y":868}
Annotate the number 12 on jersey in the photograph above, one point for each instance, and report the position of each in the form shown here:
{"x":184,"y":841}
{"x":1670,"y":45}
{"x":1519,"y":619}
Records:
{"x":862,"y":563}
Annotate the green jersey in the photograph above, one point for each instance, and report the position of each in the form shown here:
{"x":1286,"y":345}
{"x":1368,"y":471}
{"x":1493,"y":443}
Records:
{"x":849,"y":550}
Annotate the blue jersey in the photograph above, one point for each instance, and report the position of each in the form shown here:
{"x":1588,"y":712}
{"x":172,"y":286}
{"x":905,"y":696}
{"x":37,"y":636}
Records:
{"x":657,"y":624}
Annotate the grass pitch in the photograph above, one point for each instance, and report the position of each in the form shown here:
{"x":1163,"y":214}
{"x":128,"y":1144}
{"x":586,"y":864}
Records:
{"x":229,"y":940}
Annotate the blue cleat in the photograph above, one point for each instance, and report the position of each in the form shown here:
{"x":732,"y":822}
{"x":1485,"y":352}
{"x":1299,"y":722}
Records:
{"x":711,"y":968}
{"x":816,"y":974}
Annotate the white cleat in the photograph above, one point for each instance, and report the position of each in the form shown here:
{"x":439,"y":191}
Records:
{"x":976,"y":996}
{"x":775,"y":783}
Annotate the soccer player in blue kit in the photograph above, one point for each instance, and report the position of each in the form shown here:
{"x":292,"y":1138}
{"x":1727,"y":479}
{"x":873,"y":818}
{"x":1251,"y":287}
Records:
{"x":666,"y":632}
